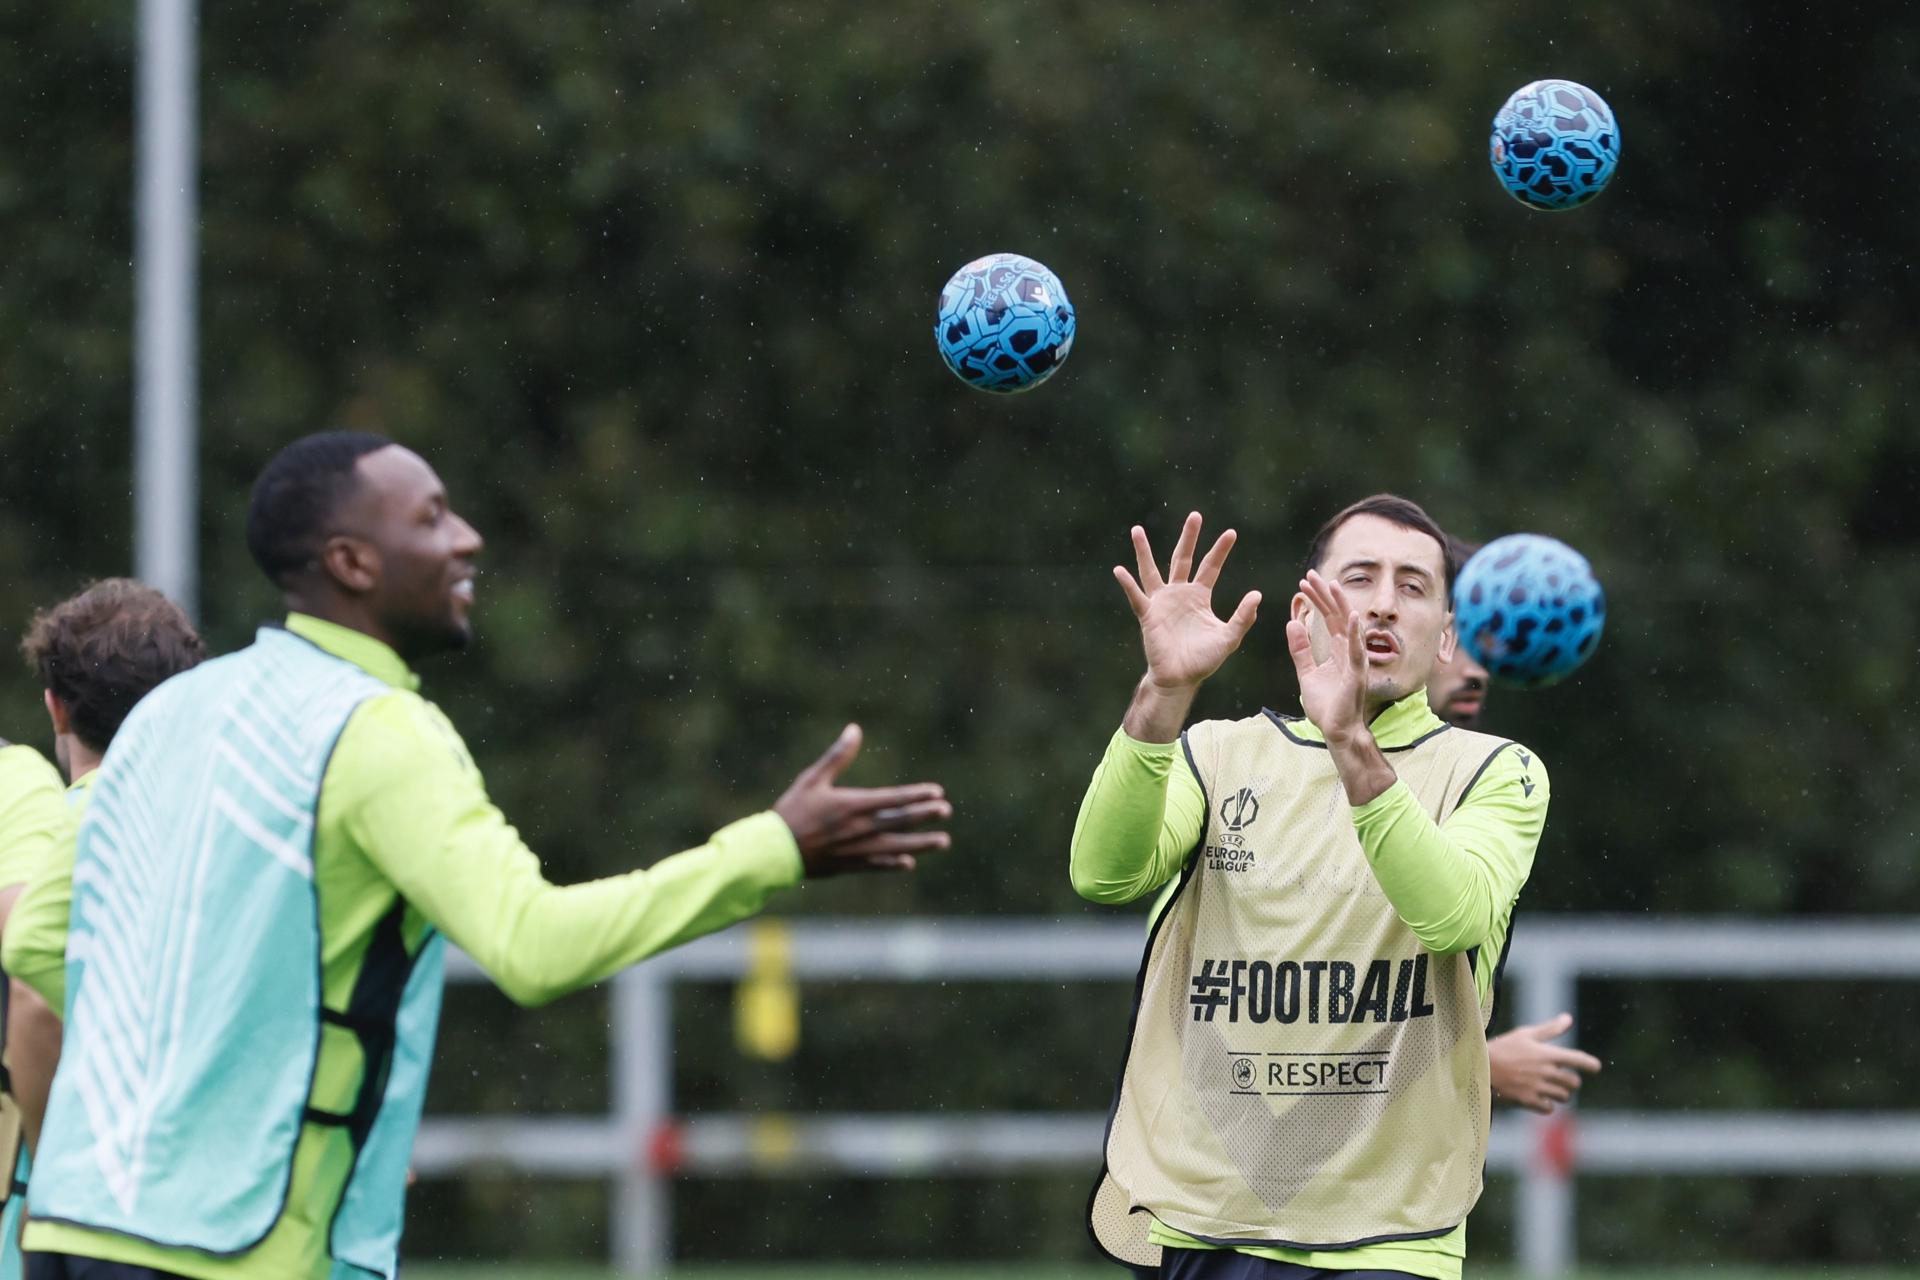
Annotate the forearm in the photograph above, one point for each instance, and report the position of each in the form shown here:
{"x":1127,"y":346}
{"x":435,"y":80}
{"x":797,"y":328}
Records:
{"x":1141,"y":814}
{"x":1452,"y":892}
{"x":539,"y":941}
{"x":33,"y":1051}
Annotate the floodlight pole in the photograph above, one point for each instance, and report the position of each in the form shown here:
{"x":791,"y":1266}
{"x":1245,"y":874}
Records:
{"x":166,"y":343}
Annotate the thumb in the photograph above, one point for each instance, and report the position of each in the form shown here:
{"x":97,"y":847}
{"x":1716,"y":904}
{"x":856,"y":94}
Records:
{"x":1242,"y":620}
{"x":828,"y":768}
{"x":1552,"y":1027}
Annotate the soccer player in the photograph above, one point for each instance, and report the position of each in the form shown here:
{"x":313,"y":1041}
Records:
{"x":96,"y":655}
{"x":279,"y":845}
{"x":34,"y":823}
{"x":1306,"y":1084}
{"x":1526,"y":1066}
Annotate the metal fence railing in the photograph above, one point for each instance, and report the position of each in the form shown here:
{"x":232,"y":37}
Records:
{"x":642,"y":1144}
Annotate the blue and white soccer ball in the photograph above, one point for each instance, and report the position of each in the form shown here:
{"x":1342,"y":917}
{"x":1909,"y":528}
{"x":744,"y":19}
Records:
{"x":1528,"y":609}
{"x":1005,"y":323}
{"x":1554,"y":145}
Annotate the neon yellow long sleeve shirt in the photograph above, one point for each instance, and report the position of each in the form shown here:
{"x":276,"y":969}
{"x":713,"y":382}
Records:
{"x":1454,"y":884}
{"x":404,"y":816}
{"x":34,"y":821}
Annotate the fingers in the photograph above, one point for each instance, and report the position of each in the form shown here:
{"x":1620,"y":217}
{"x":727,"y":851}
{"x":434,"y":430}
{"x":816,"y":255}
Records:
{"x":1331,"y":607}
{"x":1136,"y":598}
{"x":894,"y":844}
{"x":1177,"y":569}
{"x":1537,"y":1105}
{"x":1575,"y":1059}
{"x":1242,"y":620}
{"x":1209,"y":572}
{"x":910,"y":815}
{"x":872,"y":800}
{"x":1150,"y":579}
{"x":1356,"y":646}
{"x":1558,"y":1025}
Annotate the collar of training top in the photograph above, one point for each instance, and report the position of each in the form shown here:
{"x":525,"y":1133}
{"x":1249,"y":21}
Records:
{"x":1402,"y":724}
{"x":359,"y":648}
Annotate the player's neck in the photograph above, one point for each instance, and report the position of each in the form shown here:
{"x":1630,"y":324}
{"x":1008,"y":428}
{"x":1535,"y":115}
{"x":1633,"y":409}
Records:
{"x":342,"y":611}
{"x":79,"y":759}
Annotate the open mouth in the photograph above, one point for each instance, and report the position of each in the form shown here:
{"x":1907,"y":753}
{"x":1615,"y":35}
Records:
{"x":1380,"y":646}
{"x":463,"y":590}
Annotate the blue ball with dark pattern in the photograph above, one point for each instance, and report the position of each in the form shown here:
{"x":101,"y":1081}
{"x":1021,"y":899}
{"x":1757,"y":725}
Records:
{"x":1005,"y":324}
{"x":1529,"y":609}
{"x":1555,"y":144}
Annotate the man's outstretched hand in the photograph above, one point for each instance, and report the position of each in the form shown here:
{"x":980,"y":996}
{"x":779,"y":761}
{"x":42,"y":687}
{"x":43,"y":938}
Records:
{"x":841,"y":829}
{"x":1528,"y":1068}
{"x":1185,"y":641}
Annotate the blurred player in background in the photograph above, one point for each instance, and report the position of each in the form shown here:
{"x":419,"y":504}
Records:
{"x":95,"y":655}
{"x":1528,"y":1069}
{"x":278,"y":846}
{"x":34,"y":825}
{"x":1306,"y":1086}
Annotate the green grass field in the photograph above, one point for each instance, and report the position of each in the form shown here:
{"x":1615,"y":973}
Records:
{"x":1014,"y":1271}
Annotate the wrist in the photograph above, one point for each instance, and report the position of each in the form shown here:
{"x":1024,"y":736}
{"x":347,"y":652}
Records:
{"x":1158,"y":712}
{"x":1354,"y":737}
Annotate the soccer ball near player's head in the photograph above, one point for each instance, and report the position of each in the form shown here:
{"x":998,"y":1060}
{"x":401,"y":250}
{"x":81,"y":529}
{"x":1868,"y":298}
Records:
{"x":357,"y":530}
{"x":1458,"y":690}
{"x":99,"y":653}
{"x":1395,"y":567}
{"x":1530,"y":609}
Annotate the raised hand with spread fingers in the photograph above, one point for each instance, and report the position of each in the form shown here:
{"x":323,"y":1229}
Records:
{"x":1185,"y":641}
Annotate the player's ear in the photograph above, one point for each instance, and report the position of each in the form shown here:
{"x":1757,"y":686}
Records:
{"x":352,"y":564}
{"x":1449,"y":641}
{"x":57,"y":712}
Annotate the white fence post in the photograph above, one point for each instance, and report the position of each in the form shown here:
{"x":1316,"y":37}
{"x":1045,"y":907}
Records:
{"x":642,"y":1086}
{"x":1545,"y":1221}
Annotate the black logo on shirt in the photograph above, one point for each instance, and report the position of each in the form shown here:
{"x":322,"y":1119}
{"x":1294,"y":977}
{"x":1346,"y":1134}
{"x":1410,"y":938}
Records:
{"x":1238,"y":810}
{"x":1311,"y":991}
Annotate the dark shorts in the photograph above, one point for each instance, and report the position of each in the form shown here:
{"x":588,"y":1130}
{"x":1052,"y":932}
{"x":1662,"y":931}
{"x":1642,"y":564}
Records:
{"x":63,"y":1266}
{"x":1225,"y":1264}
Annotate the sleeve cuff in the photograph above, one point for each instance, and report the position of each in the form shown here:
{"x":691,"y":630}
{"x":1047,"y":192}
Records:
{"x":764,"y":850}
{"x":1158,"y":754}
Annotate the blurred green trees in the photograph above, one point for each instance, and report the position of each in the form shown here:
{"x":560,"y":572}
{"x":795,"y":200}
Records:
{"x":652,"y":285}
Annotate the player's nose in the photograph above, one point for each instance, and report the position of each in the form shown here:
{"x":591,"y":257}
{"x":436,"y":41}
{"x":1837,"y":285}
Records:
{"x":467,"y":541}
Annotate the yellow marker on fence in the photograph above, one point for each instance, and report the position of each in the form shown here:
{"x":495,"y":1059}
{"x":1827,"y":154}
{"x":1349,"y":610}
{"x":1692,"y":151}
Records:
{"x":766,"y":1004}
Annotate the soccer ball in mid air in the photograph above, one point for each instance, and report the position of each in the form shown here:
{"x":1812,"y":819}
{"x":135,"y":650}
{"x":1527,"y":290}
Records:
{"x":1528,"y":609}
{"x":1005,"y":323}
{"x":1554,"y":145}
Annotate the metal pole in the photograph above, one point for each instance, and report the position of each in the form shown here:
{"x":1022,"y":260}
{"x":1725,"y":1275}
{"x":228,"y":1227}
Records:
{"x":1545,"y":1223}
{"x":166,"y":343}
{"x":642,"y":1051}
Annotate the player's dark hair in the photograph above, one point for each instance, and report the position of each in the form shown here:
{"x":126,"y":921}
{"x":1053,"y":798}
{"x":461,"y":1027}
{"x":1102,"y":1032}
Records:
{"x":1461,"y":550}
{"x":1401,"y":511}
{"x":296,"y":496}
{"x":105,"y":649}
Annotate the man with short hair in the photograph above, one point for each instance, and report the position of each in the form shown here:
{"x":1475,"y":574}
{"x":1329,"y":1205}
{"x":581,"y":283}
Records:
{"x":278,"y":848}
{"x":1306,"y":1084}
{"x":95,"y":655}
